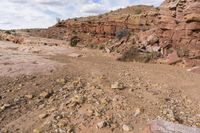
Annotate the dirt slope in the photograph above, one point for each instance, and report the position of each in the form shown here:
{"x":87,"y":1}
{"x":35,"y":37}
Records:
{"x":92,"y":91}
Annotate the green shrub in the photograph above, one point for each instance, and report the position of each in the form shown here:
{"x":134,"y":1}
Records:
{"x":93,"y":46}
{"x":183,"y":52}
{"x":74,"y":41}
{"x":133,"y":54}
{"x":122,"y":33}
{"x":138,"y":11}
{"x":101,"y":47}
{"x":8,"y":32}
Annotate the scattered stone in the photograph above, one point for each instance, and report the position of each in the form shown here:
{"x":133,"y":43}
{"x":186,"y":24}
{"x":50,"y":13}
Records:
{"x":117,"y":85}
{"x":45,"y":94}
{"x":62,"y":124}
{"x":127,"y":128}
{"x":169,"y":114}
{"x":36,"y":131}
{"x":107,"y":50}
{"x":70,"y":130}
{"x":137,"y":112}
{"x":29,"y":96}
{"x":76,"y":100}
{"x":102,"y":124}
{"x":5,"y":106}
{"x":61,"y":81}
{"x":75,"y":55}
{"x":42,"y":116}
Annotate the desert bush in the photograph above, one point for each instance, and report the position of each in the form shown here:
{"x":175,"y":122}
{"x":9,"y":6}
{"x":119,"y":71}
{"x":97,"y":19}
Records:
{"x":58,"y":20}
{"x":28,"y":30}
{"x":101,"y":47}
{"x":1,"y":37}
{"x":183,"y":52}
{"x":74,"y":41}
{"x":100,"y":16}
{"x":122,"y":33}
{"x":93,"y":46}
{"x":133,"y":54}
{"x":8,"y":32}
{"x":138,"y":11}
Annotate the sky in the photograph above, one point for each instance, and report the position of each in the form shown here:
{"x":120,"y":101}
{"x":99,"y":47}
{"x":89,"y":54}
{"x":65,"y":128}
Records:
{"x":17,"y":14}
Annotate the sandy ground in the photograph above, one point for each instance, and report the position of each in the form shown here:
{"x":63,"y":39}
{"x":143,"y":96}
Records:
{"x":58,"y":89}
{"x":19,"y":59}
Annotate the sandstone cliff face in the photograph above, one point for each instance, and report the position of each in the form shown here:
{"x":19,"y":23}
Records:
{"x":173,"y":29}
{"x":102,"y":28}
{"x":179,"y":21}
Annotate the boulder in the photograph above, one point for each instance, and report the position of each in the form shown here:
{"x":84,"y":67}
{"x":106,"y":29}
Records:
{"x":160,"y":126}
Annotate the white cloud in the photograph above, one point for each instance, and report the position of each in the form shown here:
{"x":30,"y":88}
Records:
{"x":43,"y":13}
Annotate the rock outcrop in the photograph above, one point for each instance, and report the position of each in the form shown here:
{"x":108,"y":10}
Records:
{"x":180,"y":25}
{"x":173,"y":30}
{"x":100,"y":29}
{"x":159,"y":126}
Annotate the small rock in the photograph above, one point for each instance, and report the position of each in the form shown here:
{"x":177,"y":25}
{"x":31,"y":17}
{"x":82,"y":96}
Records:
{"x":76,"y":100}
{"x":36,"y":131}
{"x":117,"y":85}
{"x":45,"y":94}
{"x":61,"y":81}
{"x":102,"y":124}
{"x":70,"y":130}
{"x":42,"y":116}
{"x":29,"y":96}
{"x":137,"y":112}
{"x":75,"y":55}
{"x":62,"y":124}
{"x":107,"y":50}
{"x":5,"y":106}
{"x":127,"y":128}
{"x":20,"y":85}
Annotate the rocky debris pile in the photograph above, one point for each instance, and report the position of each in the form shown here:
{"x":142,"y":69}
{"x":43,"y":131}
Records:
{"x":76,"y":104}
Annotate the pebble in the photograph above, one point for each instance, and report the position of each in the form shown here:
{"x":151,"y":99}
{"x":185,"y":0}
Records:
{"x":75,"y":55}
{"x":5,"y":106}
{"x":29,"y":96}
{"x":137,"y":112}
{"x":102,"y":124}
{"x":62,"y":124}
{"x":36,"y":131}
{"x":117,"y":85}
{"x":127,"y":128}
{"x":45,"y":94}
{"x":42,"y":116}
{"x":61,"y":81}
